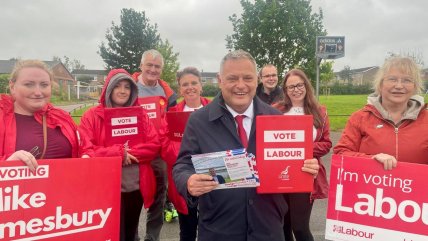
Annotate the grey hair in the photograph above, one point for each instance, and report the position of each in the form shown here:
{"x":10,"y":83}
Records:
{"x":405,"y":65}
{"x":238,"y":54}
{"x":189,"y":70}
{"x":154,"y":53}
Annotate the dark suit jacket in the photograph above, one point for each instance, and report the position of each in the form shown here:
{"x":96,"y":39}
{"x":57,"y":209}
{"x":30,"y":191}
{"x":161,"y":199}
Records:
{"x":228,"y":214}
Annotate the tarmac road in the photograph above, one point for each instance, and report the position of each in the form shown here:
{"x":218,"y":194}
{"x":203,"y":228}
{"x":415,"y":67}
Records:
{"x":170,"y":231}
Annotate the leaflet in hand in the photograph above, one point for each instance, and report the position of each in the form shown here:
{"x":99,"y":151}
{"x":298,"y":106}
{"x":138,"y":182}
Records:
{"x":231,"y":169}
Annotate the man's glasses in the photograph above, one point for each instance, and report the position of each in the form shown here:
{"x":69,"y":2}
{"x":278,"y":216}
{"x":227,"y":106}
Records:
{"x":393,"y":80}
{"x":269,"y":76}
{"x":299,"y":86}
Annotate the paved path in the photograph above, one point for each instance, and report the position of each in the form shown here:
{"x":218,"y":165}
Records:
{"x":70,"y":108}
{"x":170,"y":231}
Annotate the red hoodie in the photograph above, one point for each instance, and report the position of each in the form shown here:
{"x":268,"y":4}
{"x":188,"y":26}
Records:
{"x":92,"y":127}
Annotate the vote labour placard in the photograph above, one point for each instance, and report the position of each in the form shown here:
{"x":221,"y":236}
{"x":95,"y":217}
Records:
{"x":155,"y":107}
{"x":124,"y":125}
{"x":177,"y":121}
{"x":63,"y":200}
{"x":368,"y":203}
{"x":283,"y":142}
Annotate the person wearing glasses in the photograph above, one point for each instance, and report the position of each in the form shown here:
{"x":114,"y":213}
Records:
{"x":299,"y":99}
{"x":268,"y":90}
{"x":392,"y":127}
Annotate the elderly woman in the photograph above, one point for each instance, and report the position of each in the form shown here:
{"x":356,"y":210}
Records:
{"x":299,"y":99}
{"x":393,"y":125}
{"x":190,"y":87}
{"x":31,"y":127}
{"x":138,"y":180}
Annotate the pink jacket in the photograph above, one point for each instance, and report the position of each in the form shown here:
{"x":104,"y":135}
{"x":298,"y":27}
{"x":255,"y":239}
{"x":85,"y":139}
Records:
{"x":92,"y":127}
{"x":55,"y":118}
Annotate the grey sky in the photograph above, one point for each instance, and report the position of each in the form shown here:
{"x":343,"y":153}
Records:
{"x":197,"y":28}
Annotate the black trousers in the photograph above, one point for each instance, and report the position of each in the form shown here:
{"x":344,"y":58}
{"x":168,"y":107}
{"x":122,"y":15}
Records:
{"x":188,"y":224}
{"x":131,"y":204}
{"x":296,"y":221}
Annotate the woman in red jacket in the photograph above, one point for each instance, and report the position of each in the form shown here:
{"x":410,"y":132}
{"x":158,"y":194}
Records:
{"x":190,"y":87}
{"x":300,"y":100}
{"x":392,"y":127}
{"x":138,"y":181}
{"x":31,"y":127}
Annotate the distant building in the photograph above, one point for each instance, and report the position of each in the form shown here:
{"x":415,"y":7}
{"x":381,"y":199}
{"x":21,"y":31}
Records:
{"x":361,"y":76}
{"x":95,"y":75}
{"x":92,"y":79}
{"x":209,"y":78}
{"x":62,"y":77}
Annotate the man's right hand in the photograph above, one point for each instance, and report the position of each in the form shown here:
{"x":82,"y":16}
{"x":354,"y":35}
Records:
{"x":199,"y":184}
{"x":25,"y":157}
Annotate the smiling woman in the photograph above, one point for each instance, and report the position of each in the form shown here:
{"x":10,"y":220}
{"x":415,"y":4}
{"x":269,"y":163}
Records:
{"x":31,"y":127}
{"x":391,"y":128}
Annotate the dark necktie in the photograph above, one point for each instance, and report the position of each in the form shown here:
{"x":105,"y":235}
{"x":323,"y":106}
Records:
{"x":241,"y":131}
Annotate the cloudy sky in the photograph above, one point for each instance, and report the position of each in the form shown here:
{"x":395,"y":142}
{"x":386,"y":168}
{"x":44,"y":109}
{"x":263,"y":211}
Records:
{"x":197,"y":28}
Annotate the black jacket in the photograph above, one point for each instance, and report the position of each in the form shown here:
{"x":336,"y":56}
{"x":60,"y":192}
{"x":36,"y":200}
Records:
{"x":228,"y":214}
{"x":275,"y":96}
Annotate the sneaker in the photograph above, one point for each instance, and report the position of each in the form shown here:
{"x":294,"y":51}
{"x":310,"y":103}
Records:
{"x":168,"y":216}
{"x":174,"y":213}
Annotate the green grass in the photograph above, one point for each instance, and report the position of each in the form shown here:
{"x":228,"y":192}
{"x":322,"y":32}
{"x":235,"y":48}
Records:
{"x":339,"y":108}
{"x":77,"y":114}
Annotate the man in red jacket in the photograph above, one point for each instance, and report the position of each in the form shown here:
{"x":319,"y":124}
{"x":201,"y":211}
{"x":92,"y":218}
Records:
{"x":150,"y":84}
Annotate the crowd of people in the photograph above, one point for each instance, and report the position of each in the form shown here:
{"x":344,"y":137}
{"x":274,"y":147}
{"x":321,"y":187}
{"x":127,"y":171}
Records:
{"x":158,"y":168}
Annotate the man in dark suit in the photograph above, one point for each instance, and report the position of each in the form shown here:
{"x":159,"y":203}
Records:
{"x":228,"y":123}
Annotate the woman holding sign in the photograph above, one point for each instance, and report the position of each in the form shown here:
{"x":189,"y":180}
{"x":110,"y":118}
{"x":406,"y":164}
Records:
{"x":300,"y":100}
{"x":393,"y":126}
{"x":190,"y":87}
{"x":138,"y":181}
{"x":31,"y":127}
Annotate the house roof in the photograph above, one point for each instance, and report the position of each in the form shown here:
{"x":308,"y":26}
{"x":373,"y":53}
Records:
{"x":89,"y":72}
{"x":6,"y":66}
{"x":209,"y":74}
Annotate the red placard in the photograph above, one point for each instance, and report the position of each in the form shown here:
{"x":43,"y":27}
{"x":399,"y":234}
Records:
{"x":64,"y":200}
{"x":177,"y":121}
{"x":368,"y":203}
{"x":155,"y":107}
{"x":123,"y":125}
{"x":283,"y":143}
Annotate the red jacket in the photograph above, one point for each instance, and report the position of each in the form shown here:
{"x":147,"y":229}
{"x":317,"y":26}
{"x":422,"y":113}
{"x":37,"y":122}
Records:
{"x":322,"y":146}
{"x":169,"y":153}
{"x":92,"y":127}
{"x":54,"y":117}
{"x":367,"y":134}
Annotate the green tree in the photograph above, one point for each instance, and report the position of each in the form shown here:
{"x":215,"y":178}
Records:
{"x":346,"y":74}
{"x":170,"y":66}
{"x":326,"y":72}
{"x":281,"y":32}
{"x":4,"y":83}
{"x":70,"y":64}
{"x":127,"y":41}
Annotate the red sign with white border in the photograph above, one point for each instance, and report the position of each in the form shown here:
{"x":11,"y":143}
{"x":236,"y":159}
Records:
{"x":283,"y":142}
{"x":155,"y":107}
{"x":124,"y":125}
{"x":368,"y":203}
{"x":64,"y":200}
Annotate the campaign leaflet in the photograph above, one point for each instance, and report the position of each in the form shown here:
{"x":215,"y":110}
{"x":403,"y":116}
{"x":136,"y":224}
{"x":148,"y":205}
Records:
{"x":283,"y":142}
{"x":177,"y":121}
{"x":123,"y":125}
{"x":230,"y":169}
{"x":368,"y":203}
{"x":155,"y":107}
{"x":63,"y":200}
